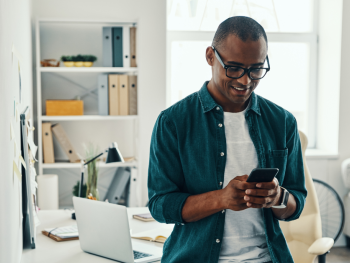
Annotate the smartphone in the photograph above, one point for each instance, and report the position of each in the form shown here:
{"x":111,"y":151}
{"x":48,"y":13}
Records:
{"x":262,"y":175}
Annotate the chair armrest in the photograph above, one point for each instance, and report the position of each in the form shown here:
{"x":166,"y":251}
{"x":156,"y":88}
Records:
{"x":321,"y":246}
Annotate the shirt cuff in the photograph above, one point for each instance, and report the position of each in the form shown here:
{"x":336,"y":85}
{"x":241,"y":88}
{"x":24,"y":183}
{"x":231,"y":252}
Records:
{"x":300,"y":201}
{"x":172,"y":207}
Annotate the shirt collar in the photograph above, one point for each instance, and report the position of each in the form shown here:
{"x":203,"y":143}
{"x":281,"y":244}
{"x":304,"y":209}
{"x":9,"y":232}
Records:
{"x":208,"y":103}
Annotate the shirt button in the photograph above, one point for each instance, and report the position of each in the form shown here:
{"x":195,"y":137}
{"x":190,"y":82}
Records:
{"x":217,"y":108}
{"x":222,"y":154}
{"x":223,"y":211}
{"x":218,"y":241}
{"x":220,"y":183}
{"x":220,"y":125}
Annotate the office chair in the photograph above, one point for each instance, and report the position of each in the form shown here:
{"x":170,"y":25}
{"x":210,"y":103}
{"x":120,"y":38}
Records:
{"x":304,"y":235}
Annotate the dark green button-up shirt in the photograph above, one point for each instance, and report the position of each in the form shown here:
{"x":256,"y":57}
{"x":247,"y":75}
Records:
{"x":186,"y":159}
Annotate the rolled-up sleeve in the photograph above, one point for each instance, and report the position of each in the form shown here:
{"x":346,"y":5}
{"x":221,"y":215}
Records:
{"x":294,"y":180}
{"x":165,"y":175}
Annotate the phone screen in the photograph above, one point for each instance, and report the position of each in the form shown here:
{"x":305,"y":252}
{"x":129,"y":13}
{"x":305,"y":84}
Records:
{"x":262,"y":174}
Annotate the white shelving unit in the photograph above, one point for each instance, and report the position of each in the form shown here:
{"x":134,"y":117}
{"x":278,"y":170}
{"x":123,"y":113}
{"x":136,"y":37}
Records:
{"x":77,"y":165}
{"x":87,"y":70}
{"x":88,"y":118}
{"x":93,"y":120}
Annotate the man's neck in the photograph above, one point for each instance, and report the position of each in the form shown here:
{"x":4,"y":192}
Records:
{"x":227,"y":105}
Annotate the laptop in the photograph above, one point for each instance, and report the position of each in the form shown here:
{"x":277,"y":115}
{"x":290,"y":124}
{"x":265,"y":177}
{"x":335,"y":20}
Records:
{"x":104,"y":231}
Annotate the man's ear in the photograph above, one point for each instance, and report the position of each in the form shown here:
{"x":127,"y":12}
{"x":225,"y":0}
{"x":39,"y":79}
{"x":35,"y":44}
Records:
{"x":209,"y":55}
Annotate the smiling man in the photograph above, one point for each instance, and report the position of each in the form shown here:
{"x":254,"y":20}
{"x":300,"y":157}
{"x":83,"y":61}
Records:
{"x":204,"y":146}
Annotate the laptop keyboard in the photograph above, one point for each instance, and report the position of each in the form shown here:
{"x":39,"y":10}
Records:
{"x":138,"y":255}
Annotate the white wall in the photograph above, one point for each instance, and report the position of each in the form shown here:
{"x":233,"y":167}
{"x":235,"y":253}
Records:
{"x":151,"y":16}
{"x":14,"y":30}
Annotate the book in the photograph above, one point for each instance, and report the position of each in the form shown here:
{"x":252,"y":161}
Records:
{"x":113,"y":87}
{"x":48,"y":152}
{"x":107,"y":60}
{"x":65,"y":143}
{"x":59,"y":234}
{"x":159,"y":234}
{"x":103,"y":106}
{"x":144,"y":217}
{"x":126,"y":46}
{"x":117,"y":46}
{"x":133,"y":95}
{"x":133,"y":193}
{"x":118,"y":184}
{"x":133,"y":47}
{"x":123,"y":95}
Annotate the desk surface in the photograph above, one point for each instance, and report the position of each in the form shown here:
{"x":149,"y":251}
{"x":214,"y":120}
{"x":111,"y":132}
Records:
{"x":48,"y":250}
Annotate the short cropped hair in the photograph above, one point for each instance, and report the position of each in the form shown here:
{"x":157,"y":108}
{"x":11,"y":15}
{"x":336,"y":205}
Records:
{"x":245,"y":28}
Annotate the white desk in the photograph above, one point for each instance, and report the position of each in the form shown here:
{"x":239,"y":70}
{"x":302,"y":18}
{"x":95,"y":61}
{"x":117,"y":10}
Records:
{"x":48,"y":250}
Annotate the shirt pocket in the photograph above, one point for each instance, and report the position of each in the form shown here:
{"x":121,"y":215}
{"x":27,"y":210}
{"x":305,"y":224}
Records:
{"x":278,"y":159}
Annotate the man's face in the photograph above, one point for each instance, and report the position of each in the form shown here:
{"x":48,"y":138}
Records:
{"x":235,"y":52}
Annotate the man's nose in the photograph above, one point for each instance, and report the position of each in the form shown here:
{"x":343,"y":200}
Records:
{"x":244,"y":80}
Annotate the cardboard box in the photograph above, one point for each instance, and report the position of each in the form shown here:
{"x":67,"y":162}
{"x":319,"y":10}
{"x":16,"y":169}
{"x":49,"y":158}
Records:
{"x":64,"y":107}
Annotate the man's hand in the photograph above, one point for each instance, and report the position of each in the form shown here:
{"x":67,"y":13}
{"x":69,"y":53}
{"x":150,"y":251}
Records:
{"x":263,"y":195}
{"x":233,"y":194}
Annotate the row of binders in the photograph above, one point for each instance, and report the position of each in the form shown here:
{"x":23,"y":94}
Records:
{"x":47,"y":130}
{"x":117,"y":94}
{"x":119,"y":46}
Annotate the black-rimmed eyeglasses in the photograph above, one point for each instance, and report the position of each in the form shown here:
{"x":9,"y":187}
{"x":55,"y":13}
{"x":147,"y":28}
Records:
{"x":236,"y":72}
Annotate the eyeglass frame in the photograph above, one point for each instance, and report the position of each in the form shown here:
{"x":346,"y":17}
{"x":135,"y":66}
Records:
{"x":245,"y":70}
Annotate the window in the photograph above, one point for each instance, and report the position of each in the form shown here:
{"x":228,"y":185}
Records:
{"x":291,"y":28}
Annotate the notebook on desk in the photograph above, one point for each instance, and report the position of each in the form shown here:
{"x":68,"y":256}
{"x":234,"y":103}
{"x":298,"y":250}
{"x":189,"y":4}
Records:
{"x":60,"y":234}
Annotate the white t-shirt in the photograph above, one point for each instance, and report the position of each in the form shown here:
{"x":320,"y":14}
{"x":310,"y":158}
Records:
{"x":244,"y":235}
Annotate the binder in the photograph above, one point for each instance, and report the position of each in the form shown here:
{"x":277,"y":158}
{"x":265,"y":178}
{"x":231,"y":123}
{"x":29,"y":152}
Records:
{"x":118,"y":184}
{"x":123,"y":95}
{"x":117,"y":45}
{"x":133,"y":47}
{"x":49,"y":156}
{"x":103,"y":107}
{"x":133,"y":95}
{"x":113,"y":82}
{"x":107,"y":47}
{"x":63,"y":140}
{"x":132,"y":191}
{"x":126,"y":46}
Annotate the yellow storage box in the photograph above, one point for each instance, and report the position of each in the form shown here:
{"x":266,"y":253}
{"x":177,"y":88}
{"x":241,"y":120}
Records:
{"x":64,"y":107}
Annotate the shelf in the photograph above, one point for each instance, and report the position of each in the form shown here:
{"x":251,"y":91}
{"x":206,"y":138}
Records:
{"x":87,"y":118}
{"x":88,"y":69}
{"x":114,"y":21}
{"x":78,"y":165}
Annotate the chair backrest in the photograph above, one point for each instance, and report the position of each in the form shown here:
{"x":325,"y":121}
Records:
{"x":307,"y":228}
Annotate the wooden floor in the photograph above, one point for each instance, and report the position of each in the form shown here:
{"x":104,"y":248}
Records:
{"x":338,"y":255}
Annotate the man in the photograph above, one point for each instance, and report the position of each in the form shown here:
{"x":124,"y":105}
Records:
{"x":204,"y":146}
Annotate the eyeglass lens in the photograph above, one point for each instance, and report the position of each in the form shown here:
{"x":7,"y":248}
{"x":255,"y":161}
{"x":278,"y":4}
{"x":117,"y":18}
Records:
{"x":236,"y":72}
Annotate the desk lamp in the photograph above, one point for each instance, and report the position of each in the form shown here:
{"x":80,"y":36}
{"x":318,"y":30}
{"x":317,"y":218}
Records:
{"x":113,"y":156}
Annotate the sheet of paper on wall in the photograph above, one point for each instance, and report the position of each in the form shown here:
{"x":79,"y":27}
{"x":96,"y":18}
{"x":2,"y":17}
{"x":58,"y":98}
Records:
{"x":20,"y":83}
{"x":16,"y":171}
{"x":33,"y":182}
{"x":22,"y":162}
{"x":35,"y":215}
{"x":31,"y":143}
{"x":12,"y":132}
{"x":17,"y":112}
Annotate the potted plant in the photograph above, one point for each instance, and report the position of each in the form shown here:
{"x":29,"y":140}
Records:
{"x":89,"y":60}
{"x":78,"y":60}
{"x":68,"y":61}
{"x":91,"y":182}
